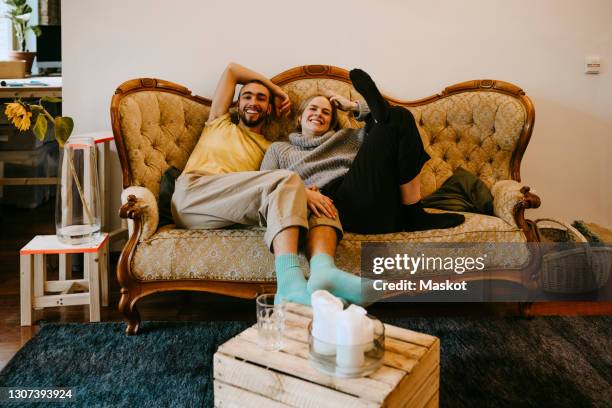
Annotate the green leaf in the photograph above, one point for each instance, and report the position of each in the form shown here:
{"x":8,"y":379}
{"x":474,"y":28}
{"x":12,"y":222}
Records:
{"x":50,"y":99}
{"x":36,"y":108}
{"x":40,"y":127}
{"x":63,"y":128}
{"x":36,"y":30}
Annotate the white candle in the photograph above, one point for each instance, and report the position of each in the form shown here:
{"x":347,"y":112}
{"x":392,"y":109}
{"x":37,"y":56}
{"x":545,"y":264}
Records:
{"x":354,"y":335}
{"x":325,"y":309}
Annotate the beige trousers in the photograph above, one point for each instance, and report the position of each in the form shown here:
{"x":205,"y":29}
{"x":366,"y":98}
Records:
{"x":275,"y":199}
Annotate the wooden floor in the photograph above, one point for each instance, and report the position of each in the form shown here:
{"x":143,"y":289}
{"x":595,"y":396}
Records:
{"x":20,"y":225}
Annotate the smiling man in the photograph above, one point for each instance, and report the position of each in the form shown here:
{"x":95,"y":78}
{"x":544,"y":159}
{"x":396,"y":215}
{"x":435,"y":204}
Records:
{"x":221,"y":185}
{"x":225,"y":147}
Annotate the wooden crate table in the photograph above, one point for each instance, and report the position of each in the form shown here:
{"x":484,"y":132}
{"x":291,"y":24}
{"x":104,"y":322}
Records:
{"x":248,"y":376}
{"x":36,"y":292}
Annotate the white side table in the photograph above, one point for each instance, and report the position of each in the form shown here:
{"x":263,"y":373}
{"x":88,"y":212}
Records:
{"x":37,"y":292}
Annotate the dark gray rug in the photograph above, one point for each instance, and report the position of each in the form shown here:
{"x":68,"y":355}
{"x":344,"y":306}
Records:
{"x":496,"y":362}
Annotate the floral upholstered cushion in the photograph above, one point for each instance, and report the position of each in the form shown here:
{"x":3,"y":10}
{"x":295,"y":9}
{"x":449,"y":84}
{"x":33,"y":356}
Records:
{"x":241,"y":254}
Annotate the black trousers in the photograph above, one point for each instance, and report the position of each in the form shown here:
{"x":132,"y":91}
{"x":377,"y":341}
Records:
{"x":368,"y":196}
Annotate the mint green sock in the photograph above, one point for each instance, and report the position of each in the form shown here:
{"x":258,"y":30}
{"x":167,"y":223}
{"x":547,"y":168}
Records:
{"x":290,"y":281}
{"x":325,"y":275}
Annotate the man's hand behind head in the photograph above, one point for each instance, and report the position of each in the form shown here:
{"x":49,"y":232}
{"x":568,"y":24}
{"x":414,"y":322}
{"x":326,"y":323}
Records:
{"x":283,"y":105}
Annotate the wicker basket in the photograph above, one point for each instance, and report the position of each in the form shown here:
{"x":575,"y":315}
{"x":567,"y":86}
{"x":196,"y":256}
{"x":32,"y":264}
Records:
{"x":581,"y":269}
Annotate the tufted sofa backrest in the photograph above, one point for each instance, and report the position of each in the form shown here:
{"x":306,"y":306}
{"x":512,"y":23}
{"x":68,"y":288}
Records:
{"x":483,"y":126}
{"x":478,"y":130}
{"x":156,"y":125}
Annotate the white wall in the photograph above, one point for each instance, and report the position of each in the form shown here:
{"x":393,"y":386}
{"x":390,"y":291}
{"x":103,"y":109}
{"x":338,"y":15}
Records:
{"x":412,"y":49}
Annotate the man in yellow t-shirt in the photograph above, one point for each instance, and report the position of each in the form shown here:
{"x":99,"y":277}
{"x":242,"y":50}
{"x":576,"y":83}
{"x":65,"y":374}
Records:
{"x":221,"y":185}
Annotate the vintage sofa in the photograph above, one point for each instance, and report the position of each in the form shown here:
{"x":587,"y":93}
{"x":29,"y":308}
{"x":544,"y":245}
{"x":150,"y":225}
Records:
{"x":482,"y":125}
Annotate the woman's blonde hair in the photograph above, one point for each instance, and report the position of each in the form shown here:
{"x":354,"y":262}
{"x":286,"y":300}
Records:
{"x":333,"y":123}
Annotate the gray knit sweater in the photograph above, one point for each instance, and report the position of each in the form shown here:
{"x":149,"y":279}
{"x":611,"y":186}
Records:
{"x":316,"y":159}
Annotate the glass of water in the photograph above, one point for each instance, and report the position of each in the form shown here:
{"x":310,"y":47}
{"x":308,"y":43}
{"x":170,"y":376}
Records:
{"x":270,"y":322}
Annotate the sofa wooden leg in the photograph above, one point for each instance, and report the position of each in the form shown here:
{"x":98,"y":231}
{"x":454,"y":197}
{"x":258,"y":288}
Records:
{"x":133,"y":323}
{"x":130,"y":312}
{"x":525,"y":310}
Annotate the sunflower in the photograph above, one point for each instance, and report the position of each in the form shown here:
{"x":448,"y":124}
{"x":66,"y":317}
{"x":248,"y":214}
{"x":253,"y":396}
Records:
{"x":19,"y":114}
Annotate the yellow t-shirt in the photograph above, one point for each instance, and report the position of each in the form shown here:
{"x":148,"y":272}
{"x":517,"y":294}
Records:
{"x":225,"y":147}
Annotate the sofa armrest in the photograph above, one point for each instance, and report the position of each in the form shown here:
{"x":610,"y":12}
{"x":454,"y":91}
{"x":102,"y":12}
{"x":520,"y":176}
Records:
{"x":139,"y":204}
{"x":510,"y":200}
{"x":506,"y":194}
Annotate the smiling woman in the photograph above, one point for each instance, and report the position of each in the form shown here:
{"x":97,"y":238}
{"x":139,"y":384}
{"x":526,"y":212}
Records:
{"x":317,"y":115}
{"x":364,"y":172}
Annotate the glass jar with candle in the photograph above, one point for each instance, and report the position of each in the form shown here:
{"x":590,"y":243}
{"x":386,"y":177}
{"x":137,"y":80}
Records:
{"x":349,"y":360}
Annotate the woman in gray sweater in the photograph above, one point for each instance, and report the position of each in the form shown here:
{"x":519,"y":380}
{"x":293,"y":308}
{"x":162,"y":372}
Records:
{"x":370,"y":176}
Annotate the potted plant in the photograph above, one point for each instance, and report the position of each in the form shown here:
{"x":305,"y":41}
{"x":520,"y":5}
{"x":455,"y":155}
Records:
{"x":19,"y":12}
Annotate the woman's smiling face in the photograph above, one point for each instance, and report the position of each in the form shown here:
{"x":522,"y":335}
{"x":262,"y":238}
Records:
{"x":317,"y":116}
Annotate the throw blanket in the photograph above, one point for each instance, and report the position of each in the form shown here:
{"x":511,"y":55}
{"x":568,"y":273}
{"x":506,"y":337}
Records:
{"x":462,"y":192}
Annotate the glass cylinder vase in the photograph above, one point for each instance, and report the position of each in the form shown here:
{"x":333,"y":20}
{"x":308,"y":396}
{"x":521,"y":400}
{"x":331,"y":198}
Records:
{"x":77,"y":207}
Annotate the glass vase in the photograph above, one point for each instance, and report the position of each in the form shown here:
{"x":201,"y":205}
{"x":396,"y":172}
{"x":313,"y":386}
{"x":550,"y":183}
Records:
{"x":77,"y":206}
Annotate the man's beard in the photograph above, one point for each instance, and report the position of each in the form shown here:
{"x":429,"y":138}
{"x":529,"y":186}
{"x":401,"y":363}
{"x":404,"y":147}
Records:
{"x":252,"y":123}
